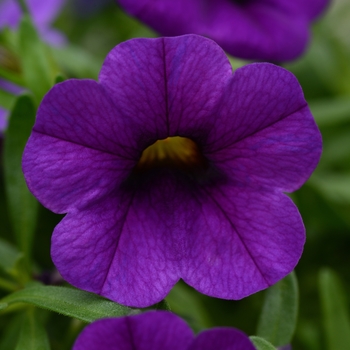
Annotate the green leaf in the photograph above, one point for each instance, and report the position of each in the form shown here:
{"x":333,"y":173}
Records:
{"x":279,"y":314}
{"x":9,"y":256}
{"x":162,"y":305}
{"x":331,"y":111}
{"x":38,"y":68}
{"x":33,"y":335}
{"x":76,"y":303}
{"x":6,"y":99}
{"x":10,"y":332}
{"x":335,"y":311}
{"x":261,"y":344}
{"x":186,"y":302}
{"x":77,"y":61}
{"x":333,"y":186}
{"x":23,"y":207}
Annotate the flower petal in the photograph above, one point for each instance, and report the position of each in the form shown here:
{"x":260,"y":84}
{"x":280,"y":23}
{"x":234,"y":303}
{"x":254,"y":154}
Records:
{"x":271,"y":30}
{"x":147,"y":331}
{"x":128,"y":247}
{"x":73,"y":155}
{"x":167,"y":86}
{"x":223,"y":339}
{"x":245,"y":241}
{"x":265,"y":134}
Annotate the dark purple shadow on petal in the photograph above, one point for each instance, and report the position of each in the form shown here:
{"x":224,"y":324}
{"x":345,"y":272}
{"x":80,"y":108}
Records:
{"x":147,"y":331}
{"x":222,"y":339}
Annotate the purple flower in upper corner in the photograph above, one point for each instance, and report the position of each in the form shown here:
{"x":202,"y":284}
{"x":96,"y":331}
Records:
{"x":157,"y":330}
{"x":43,"y":14}
{"x":272,"y":30}
{"x":172,"y":167}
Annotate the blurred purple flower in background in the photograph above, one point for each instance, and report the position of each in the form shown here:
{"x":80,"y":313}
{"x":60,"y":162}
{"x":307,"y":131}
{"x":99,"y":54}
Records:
{"x":3,"y":119}
{"x":273,"y":30}
{"x":172,"y":167}
{"x":42,"y":12}
{"x":157,"y":330}
{"x":12,"y":89}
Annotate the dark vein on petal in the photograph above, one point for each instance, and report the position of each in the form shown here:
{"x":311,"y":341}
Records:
{"x":117,"y":242}
{"x":85,"y":146}
{"x":128,"y":325}
{"x":166,"y":88}
{"x":238,"y":234}
{"x":251,"y":134}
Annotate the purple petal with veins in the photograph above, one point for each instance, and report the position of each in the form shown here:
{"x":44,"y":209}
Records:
{"x":154,"y":331}
{"x":171,"y":166}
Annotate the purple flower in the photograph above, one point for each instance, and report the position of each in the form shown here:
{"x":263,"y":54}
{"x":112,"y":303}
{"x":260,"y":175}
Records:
{"x":3,"y":120}
{"x":12,"y":89}
{"x":273,"y":30}
{"x":157,"y":330}
{"x":172,"y":167}
{"x":43,"y":14}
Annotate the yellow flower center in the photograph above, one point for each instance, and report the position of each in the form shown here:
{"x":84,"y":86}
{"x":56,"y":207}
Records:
{"x":173,"y":152}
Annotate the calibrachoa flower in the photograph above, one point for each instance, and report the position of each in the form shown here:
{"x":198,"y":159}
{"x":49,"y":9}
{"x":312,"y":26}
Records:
{"x":172,"y":167}
{"x":154,"y":331}
{"x":273,"y":30}
{"x":43,"y":14}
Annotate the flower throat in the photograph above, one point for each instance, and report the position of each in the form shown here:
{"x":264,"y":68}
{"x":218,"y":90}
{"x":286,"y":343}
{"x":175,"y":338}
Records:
{"x":175,"y":153}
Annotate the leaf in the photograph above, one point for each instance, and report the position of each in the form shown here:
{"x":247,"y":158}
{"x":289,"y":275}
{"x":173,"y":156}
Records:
{"x":261,"y":344}
{"x":23,"y":207}
{"x":76,"y":303}
{"x":6,"y":99}
{"x":331,"y":111}
{"x":162,"y":305}
{"x":335,"y":311}
{"x":279,"y":314}
{"x":9,"y":256}
{"x":10,"y":332}
{"x":333,"y":186}
{"x":185,"y":302}
{"x":37,"y":65}
{"x":77,"y":61}
{"x":33,"y":335}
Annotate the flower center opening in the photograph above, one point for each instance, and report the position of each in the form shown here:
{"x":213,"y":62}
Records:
{"x":241,"y":2}
{"x":176,"y":153}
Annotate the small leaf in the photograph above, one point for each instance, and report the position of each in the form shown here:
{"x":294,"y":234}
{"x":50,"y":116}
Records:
{"x":335,"y":311}
{"x":23,"y":207}
{"x":261,"y":344}
{"x":33,"y":335}
{"x":70,"y":302}
{"x":279,"y":314}
{"x":37,"y":66}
